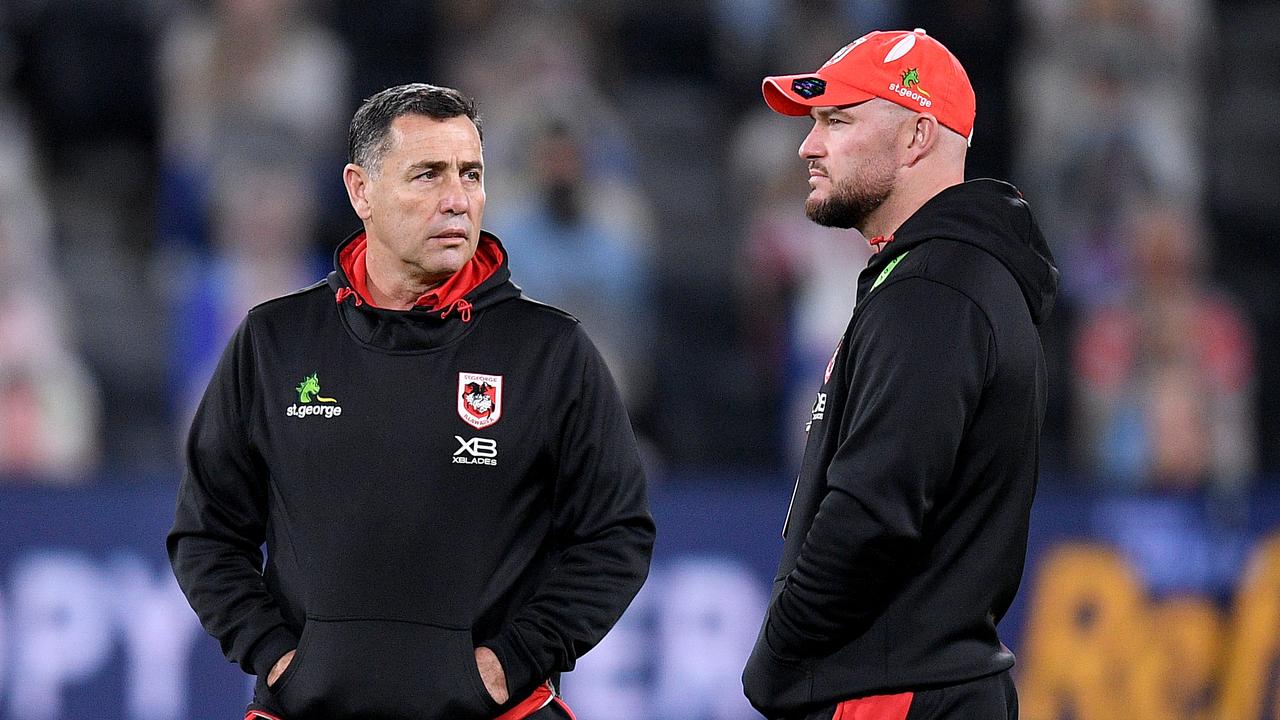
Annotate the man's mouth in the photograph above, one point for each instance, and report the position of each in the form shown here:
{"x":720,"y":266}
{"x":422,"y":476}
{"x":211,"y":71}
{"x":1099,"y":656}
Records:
{"x":458,"y":233}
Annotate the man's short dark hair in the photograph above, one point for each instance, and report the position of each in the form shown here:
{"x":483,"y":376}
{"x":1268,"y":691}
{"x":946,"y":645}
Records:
{"x":371,"y":125}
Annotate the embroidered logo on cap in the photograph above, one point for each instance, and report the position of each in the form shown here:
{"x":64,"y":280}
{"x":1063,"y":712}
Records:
{"x":810,"y":87}
{"x":911,"y":81}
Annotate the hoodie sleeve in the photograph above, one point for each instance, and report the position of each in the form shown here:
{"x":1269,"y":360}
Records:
{"x":220,"y":522}
{"x":918,"y":360}
{"x":601,"y":523}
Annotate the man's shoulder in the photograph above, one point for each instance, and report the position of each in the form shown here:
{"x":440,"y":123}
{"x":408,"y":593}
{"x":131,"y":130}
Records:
{"x":286,"y":310}
{"x":524,"y":309}
{"x":312,"y":294}
{"x":965,"y":268}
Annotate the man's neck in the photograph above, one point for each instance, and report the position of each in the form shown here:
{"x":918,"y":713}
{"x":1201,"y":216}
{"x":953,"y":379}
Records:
{"x":902,"y":204}
{"x":391,"y":285}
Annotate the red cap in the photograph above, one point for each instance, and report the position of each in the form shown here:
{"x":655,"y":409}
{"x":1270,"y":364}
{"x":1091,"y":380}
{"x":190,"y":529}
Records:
{"x":907,"y":68}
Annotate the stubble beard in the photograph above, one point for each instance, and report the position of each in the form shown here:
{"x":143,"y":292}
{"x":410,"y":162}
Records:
{"x":853,"y":200}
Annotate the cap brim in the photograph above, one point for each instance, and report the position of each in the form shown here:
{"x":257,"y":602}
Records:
{"x":781,"y":97}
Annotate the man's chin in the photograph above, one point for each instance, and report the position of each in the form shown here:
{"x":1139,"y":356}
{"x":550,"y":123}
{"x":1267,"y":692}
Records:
{"x":824,"y":214}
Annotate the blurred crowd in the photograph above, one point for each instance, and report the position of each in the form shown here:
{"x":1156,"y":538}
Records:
{"x":167,"y":164}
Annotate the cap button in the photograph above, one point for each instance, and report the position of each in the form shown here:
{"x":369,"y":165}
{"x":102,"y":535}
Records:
{"x":919,"y":30}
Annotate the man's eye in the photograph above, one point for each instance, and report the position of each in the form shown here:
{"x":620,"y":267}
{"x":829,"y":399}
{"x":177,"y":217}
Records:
{"x":472,"y":175}
{"x":834,"y":121}
{"x":425,"y":175}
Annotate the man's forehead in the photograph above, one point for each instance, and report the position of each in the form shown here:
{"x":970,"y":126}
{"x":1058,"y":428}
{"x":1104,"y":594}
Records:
{"x":446,"y":137}
{"x":459,"y":127}
{"x":866,"y":107}
{"x":822,"y":111}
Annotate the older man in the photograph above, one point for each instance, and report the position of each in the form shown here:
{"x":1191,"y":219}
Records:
{"x":441,"y":470}
{"x":907,"y":531}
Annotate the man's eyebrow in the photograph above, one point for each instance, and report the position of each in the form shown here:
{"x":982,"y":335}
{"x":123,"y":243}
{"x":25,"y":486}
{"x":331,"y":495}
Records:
{"x":822,"y":113}
{"x":441,"y":165}
{"x":436,"y":165}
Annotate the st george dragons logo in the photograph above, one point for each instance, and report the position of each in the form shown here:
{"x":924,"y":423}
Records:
{"x":479,"y":399}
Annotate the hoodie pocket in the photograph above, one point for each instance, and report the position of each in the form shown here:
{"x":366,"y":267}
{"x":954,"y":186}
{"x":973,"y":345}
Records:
{"x":388,"y":669}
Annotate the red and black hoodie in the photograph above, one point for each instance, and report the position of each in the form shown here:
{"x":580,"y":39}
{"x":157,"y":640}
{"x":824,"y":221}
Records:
{"x":907,"y":532}
{"x":425,"y":481}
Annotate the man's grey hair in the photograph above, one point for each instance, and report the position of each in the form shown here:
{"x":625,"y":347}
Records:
{"x":371,"y":126}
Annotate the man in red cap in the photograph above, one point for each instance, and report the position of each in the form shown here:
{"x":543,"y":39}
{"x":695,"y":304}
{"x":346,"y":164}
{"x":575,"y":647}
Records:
{"x":907,"y":531}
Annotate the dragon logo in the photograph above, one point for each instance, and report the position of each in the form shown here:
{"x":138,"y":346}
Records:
{"x":311,"y":386}
{"x":479,"y":399}
{"x":911,"y":81}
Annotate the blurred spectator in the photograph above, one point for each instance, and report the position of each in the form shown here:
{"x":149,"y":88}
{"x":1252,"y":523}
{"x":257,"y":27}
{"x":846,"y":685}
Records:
{"x":261,"y":219}
{"x":550,"y":74}
{"x":245,"y":76}
{"x":49,"y":401}
{"x":560,"y":178}
{"x":1166,"y":375}
{"x":254,"y":96}
{"x":1109,"y":100}
{"x":86,"y":73}
{"x":578,"y":248}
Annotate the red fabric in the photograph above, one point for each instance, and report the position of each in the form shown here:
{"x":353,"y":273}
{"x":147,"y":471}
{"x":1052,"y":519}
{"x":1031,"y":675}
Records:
{"x":530,"y":705}
{"x":447,"y":297}
{"x":256,"y":714}
{"x":875,"y":707}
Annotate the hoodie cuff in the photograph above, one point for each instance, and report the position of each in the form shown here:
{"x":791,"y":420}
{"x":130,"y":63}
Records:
{"x":518,"y":663}
{"x":271,"y":648}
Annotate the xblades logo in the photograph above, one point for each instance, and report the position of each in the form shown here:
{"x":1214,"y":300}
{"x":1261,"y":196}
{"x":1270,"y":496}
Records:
{"x":308,"y":391}
{"x":478,"y":451}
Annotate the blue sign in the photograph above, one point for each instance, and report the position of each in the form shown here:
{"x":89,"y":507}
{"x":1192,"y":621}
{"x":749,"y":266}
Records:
{"x":93,"y":626}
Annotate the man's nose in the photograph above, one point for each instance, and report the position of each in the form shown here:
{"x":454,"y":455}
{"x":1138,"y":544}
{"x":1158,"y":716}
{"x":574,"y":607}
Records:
{"x":812,"y":146}
{"x":454,"y":200}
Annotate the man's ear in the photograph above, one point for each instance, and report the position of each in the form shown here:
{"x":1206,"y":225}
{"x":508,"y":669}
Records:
{"x":924,"y":137}
{"x":356,"y":179}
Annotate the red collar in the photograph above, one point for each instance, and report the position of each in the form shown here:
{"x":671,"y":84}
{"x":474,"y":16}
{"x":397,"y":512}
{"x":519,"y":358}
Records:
{"x":446,"y":297}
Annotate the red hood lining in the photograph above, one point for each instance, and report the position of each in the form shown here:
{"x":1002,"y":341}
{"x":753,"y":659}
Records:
{"x":482,"y":265}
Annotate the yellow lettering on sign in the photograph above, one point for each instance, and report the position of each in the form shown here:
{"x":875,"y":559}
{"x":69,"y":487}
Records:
{"x":1097,"y":649}
{"x":1179,"y":670}
{"x":1253,"y":662}
{"x":1085,"y":636}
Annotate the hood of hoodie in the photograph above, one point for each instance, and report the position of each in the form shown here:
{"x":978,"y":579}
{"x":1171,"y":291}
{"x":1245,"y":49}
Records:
{"x":990,"y":215}
{"x":439,"y":316}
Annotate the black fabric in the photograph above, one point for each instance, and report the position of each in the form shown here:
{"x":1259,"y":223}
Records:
{"x":990,"y":698}
{"x":907,"y":533}
{"x":389,"y":559}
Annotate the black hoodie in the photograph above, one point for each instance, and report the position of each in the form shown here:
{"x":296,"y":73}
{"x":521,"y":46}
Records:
{"x":907,"y":531}
{"x":425,"y":481}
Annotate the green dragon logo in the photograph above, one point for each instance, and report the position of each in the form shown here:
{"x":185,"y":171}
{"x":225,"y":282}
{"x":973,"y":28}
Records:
{"x":311,"y":386}
{"x":911,"y":81}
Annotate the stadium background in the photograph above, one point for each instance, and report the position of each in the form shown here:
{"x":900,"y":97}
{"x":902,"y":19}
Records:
{"x":164,"y":165}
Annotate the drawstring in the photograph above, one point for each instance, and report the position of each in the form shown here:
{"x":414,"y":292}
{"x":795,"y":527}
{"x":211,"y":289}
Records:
{"x":878,"y":242}
{"x":346,"y":292}
{"x":462,"y":306}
